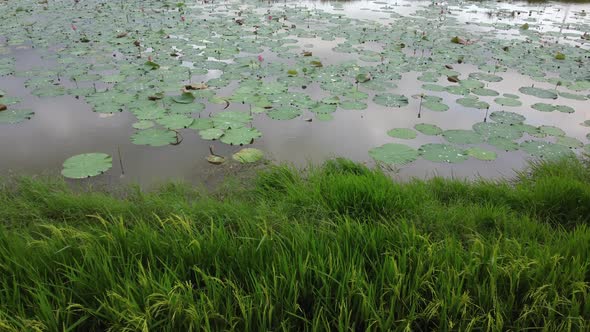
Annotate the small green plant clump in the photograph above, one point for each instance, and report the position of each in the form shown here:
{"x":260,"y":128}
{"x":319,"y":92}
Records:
{"x":336,"y":247}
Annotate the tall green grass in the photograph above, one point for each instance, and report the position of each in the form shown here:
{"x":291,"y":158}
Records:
{"x":338,"y":247}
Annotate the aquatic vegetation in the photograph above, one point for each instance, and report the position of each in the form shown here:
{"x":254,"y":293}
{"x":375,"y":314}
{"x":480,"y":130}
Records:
{"x":220,"y":70}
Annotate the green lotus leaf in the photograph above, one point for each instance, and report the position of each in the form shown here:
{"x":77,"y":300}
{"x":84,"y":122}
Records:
{"x":460,"y":136}
{"x":572,"y":96}
{"x":86,"y":165}
{"x":143,"y":124}
{"x":211,"y":134}
{"x":154,"y":137}
{"x":507,"y":117}
{"x":481,"y":154}
{"x":392,"y":153}
{"x":390,"y":100}
{"x":551,"y":131}
{"x":240,"y":136}
{"x":324,"y":116}
{"x":403,"y":133}
{"x":503,"y":143}
{"x":511,"y":102}
{"x":472,"y":102}
{"x":538,"y":92}
{"x":428,"y":129}
{"x":570,"y":142}
{"x":442,"y":153}
{"x":248,"y":155}
{"x":546,"y":150}
{"x":353,"y":105}
{"x":185,"y":98}
{"x":485,"y":92}
{"x":284,"y":113}
{"x":11,"y":116}
{"x":175,"y":121}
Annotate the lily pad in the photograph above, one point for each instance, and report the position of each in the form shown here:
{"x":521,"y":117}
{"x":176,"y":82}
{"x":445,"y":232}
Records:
{"x":15,"y":116}
{"x":507,"y":117}
{"x":511,"y":102}
{"x":211,"y":134}
{"x":428,"y":129}
{"x":392,"y":153}
{"x":143,"y":124}
{"x":442,"y":153}
{"x":390,"y":100}
{"x":175,"y":121}
{"x":538,"y":92}
{"x":546,"y":150}
{"x":502,"y":143}
{"x":86,"y":165}
{"x":248,"y":155}
{"x":459,"y":136}
{"x":284,"y":113}
{"x":185,"y":98}
{"x":240,"y":136}
{"x":472,"y":102}
{"x":154,"y":137}
{"x":403,"y":133}
{"x":481,"y":154}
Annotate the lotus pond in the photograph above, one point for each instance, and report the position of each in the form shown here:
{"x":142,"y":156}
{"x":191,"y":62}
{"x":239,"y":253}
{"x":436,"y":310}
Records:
{"x":158,"y":90}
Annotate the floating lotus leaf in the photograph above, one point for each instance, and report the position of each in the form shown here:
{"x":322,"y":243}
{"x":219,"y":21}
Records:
{"x":86,"y":165}
{"x":154,"y":137}
{"x":570,"y":142}
{"x":353,"y":105}
{"x":572,"y":96}
{"x":11,"y":116}
{"x":435,"y":106}
{"x":391,"y":100}
{"x":507,"y":117}
{"x":472,"y":102}
{"x":248,"y":155}
{"x":433,"y":87}
{"x":143,"y":124}
{"x":392,"y":153}
{"x":538,"y":92}
{"x":175,"y":121}
{"x":230,"y":119}
{"x":186,"y":108}
{"x":546,"y":150}
{"x":485,"y":92}
{"x":511,"y":102}
{"x":201,"y":124}
{"x":481,"y":154}
{"x":485,"y":77}
{"x":550,"y":108}
{"x":324,"y":116}
{"x":551,"y":131}
{"x":442,"y":153}
{"x":322,"y":108}
{"x":404,"y":133}
{"x":240,"y":136}
{"x":503,"y":143}
{"x":149,"y":112}
{"x":284,"y":113}
{"x":457,"y":90}
{"x":471,"y":84}
{"x":460,"y":136}
{"x":215,"y":160}
{"x":579,"y":86}
{"x":493,"y":129}
{"x":185,"y":98}
{"x":585,"y":123}
{"x":428,"y":129}
{"x":211,"y":134}
{"x":510,"y":95}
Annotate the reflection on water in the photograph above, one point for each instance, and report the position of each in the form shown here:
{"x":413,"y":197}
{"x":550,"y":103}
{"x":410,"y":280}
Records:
{"x":65,"y":126}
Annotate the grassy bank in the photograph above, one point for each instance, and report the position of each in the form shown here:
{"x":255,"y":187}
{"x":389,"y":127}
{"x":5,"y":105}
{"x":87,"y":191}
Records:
{"x":339,"y":247}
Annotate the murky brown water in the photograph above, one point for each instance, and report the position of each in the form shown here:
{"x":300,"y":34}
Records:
{"x":66,"y":126}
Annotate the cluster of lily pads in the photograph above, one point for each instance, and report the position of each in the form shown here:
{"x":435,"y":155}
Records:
{"x":217,"y":68}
